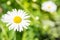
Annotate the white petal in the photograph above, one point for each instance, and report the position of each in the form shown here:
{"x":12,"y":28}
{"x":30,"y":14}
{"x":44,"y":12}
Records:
{"x":20,"y":28}
{"x":11,"y":27}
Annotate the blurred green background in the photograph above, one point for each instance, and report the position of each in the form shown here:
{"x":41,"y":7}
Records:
{"x":43,"y":26}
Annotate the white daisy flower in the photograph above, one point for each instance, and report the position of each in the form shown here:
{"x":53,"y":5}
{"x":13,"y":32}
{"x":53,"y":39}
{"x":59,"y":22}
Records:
{"x":16,"y":19}
{"x":49,"y":6}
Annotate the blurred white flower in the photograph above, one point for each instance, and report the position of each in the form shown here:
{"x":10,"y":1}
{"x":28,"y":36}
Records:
{"x":49,"y":6}
{"x":16,"y":19}
{"x":48,"y":23}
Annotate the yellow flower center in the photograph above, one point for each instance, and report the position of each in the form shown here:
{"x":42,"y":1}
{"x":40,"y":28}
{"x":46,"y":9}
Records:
{"x":17,"y":19}
{"x":49,"y":6}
